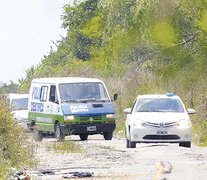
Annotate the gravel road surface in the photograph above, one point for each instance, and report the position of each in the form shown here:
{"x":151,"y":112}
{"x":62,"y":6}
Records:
{"x":112,"y":160}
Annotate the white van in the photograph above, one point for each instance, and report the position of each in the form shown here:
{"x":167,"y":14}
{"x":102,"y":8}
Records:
{"x":19,"y":103}
{"x":68,"y":105}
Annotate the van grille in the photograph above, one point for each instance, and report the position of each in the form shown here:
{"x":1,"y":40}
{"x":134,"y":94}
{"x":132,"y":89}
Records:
{"x":90,"y":118}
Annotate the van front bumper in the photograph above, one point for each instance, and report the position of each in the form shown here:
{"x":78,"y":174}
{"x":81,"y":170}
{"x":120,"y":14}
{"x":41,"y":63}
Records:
{"x":76,"y":129}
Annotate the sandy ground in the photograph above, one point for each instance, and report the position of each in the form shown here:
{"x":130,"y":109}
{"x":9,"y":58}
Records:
{"x":112,"y":160}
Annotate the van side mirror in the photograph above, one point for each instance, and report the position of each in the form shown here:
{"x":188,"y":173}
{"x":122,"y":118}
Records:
{"x":115,"y":97}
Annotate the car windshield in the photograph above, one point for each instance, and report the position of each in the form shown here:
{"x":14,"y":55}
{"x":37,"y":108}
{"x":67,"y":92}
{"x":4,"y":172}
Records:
{"x":83,"y":92}
{"x":159,"y":105}
{"x":20,"y":103}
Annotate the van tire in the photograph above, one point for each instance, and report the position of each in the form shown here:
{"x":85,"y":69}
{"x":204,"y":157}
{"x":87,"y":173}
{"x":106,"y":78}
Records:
{"x":37,"y":135}
{"x":58,"y":133}
{"x":83,"y":137}
{"x":108,"y":135}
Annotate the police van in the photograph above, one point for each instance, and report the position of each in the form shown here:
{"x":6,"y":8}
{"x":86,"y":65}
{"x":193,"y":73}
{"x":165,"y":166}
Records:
{"x":70,"y":106}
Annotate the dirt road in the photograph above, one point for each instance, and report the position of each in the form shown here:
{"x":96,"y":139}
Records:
{"x":112,"y":160}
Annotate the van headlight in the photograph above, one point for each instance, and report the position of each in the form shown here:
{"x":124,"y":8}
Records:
{"x":69,"y":118}
{"x":110,"y":116}
{"x":183,"y":123}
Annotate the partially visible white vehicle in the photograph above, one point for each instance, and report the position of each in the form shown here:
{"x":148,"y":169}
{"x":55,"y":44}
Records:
{"x":158,"y":118}
{"x":19,"y":103}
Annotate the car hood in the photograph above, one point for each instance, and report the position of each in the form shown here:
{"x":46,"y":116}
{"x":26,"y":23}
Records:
{"x":20,"y":114}
{"x":158,"y":117}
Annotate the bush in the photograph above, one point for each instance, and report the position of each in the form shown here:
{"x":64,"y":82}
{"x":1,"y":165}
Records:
{"x":13,"y":149}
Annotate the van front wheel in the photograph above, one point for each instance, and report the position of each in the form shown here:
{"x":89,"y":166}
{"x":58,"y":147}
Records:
{"x":83,"y":137}
{"x":58,"y":133}
{"x":37,"y":135}
{"x":108,"y":135}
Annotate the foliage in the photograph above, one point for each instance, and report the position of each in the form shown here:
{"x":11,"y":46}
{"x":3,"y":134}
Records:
{"x":83,"y":22}
{"x":13,"y":145}
{"x":10,"y":88}
{"x":65,"y":147}
{"x":163,"y":33}
{"x":136,"y":47}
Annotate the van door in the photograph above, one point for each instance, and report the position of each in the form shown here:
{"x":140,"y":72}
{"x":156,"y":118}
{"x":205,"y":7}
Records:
{"x":52,"y":107}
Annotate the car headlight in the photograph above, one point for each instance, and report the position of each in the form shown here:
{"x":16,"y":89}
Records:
{"x":138,"y":123}
{"x":110,"y":116}
{"x":183,"y":123}
{"x":69,"y":118}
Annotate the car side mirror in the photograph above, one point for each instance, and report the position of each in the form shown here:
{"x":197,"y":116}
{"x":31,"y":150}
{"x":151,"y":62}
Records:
{"x":191,"y":111}
{"x":128,"y":110}
{"x":115,"y":97}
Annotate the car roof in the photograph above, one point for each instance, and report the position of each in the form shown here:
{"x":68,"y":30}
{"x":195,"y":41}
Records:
{"x":58,"y":80}
{"x":167,"y":95}
{"x":17,"y":96}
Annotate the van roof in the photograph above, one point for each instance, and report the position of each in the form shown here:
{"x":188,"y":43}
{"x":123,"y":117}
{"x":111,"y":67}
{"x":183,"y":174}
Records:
{"x":59,"y":80}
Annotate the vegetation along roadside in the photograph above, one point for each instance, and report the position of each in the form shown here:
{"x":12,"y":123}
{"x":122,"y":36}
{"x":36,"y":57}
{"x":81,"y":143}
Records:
{"x":135,"y":47}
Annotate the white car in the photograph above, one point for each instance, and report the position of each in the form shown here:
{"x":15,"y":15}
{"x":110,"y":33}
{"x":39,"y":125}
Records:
{"x":19,"y":103}
{"x":158,"y":119}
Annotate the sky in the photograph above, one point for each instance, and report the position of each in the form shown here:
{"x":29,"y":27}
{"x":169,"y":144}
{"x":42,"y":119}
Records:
{"x":27,"y":29}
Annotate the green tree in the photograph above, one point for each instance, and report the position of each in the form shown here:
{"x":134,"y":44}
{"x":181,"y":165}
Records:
{"x":162,"y":41}
{"x":79,"y":21}
{"x":8,"y":88}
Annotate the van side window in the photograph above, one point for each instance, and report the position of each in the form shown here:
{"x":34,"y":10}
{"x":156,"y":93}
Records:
{"x":43,"y":94}
{"x":53,"y":93}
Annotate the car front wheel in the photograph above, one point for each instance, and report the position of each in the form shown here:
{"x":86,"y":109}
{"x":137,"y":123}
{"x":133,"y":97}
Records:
{"x":185,"y":144}
{"x":127,"y":143}
{"x":130,"y":144}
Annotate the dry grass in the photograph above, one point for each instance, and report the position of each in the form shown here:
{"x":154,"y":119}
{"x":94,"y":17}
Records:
{"x":64,"y":147}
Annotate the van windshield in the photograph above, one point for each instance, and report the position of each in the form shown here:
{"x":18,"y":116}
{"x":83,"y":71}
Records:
{"x":83,"y":92}
{"x":21,"y":103}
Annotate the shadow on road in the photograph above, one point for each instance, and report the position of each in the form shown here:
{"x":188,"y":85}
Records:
{"x":152,"y":145}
